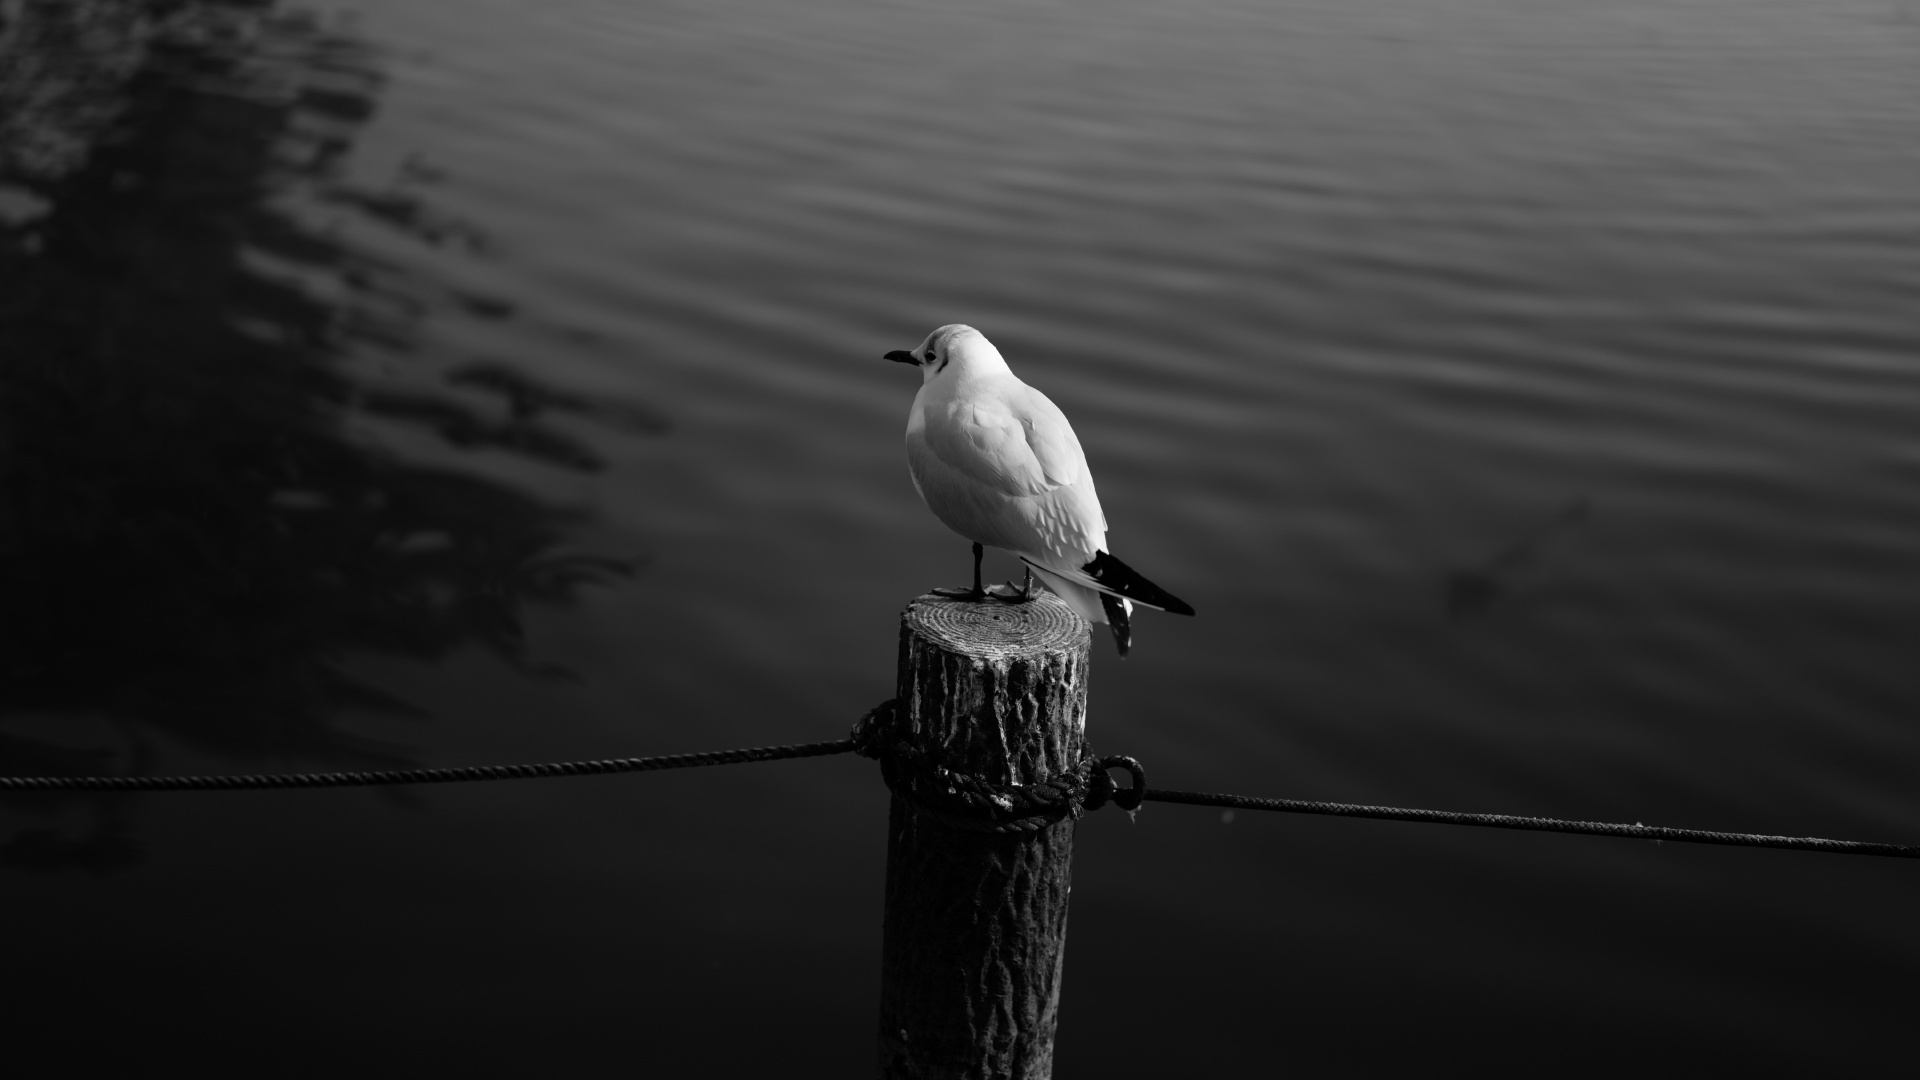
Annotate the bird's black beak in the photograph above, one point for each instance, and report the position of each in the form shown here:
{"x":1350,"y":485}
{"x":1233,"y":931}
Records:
{"x":902,"y":356}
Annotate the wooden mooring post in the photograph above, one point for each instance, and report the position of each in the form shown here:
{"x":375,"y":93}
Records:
{"x":976,"y":921}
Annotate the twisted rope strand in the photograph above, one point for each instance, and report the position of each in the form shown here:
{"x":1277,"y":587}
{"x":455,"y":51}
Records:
{"x":1537,"y":824}
{"x":467,"y":774}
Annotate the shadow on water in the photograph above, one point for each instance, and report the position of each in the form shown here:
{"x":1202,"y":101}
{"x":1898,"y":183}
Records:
{"x":190,"y":542}
{"x":1473,"y":593}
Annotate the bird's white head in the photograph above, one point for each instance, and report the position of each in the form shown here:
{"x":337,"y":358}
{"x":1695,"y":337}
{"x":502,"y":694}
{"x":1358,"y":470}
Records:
{"x":955,"y":349}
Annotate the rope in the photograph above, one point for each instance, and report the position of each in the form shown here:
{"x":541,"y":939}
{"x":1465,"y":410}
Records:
{"x":1537,"y":824}
{"x":468,"y":774}
{"x":955,"y":798}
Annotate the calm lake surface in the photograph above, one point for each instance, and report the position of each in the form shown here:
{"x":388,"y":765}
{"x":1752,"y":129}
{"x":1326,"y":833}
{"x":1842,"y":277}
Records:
{"x":1527,"y":396}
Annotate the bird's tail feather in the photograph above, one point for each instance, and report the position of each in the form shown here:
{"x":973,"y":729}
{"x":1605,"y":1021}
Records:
{"x":1116,"y":608}
{"x":1109,"y":576}
{"x":1084,"y":601}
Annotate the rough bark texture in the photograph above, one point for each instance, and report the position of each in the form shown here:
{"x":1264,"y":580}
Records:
{"x":976,"y":922}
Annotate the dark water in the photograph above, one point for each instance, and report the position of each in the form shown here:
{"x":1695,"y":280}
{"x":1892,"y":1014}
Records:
{"x":1526,"y":396}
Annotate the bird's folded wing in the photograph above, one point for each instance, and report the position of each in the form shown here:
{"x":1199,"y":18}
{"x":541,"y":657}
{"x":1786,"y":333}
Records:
{"x":1049,"y":436}
{"x":1018,"y":444}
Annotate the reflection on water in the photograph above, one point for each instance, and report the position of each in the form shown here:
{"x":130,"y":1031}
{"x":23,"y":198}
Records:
{"x":190,"y":542}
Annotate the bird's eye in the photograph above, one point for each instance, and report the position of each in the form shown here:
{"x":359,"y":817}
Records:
{"x":929,"y":356}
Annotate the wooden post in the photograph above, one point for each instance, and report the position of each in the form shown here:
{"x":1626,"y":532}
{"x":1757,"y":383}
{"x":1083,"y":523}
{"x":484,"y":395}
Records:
{"x":976,"y":922}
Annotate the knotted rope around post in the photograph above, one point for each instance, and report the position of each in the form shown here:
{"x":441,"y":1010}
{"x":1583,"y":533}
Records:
{"x":964,"y":801}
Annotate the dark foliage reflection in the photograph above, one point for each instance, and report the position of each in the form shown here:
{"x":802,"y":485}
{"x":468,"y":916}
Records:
{"x":190,"y":544}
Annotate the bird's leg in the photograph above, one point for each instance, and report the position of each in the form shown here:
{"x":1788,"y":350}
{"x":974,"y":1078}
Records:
{"x":975,"y":594}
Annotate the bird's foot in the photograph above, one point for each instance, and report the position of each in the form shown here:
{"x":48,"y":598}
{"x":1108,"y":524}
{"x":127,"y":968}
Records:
{"x":1011,"y":593}
{"x":973,"y":595}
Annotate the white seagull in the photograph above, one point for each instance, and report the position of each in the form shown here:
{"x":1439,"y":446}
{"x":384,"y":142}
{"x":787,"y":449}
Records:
{"x":998,"y":463}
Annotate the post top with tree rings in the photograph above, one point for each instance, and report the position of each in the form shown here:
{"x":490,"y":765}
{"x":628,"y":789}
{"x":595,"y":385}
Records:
{"x":996,"y":629}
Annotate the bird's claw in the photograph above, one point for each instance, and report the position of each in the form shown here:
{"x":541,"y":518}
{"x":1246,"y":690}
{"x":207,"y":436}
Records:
{"x":972,"y":596}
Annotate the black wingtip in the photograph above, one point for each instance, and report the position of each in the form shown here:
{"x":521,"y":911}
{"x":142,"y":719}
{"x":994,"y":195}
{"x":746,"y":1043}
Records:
{"x":1113,"y":574}
{"x":1117,"y":622}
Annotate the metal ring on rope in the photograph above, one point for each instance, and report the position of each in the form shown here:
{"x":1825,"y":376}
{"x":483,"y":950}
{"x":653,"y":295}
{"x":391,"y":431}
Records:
{"x":1105,"y":789}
